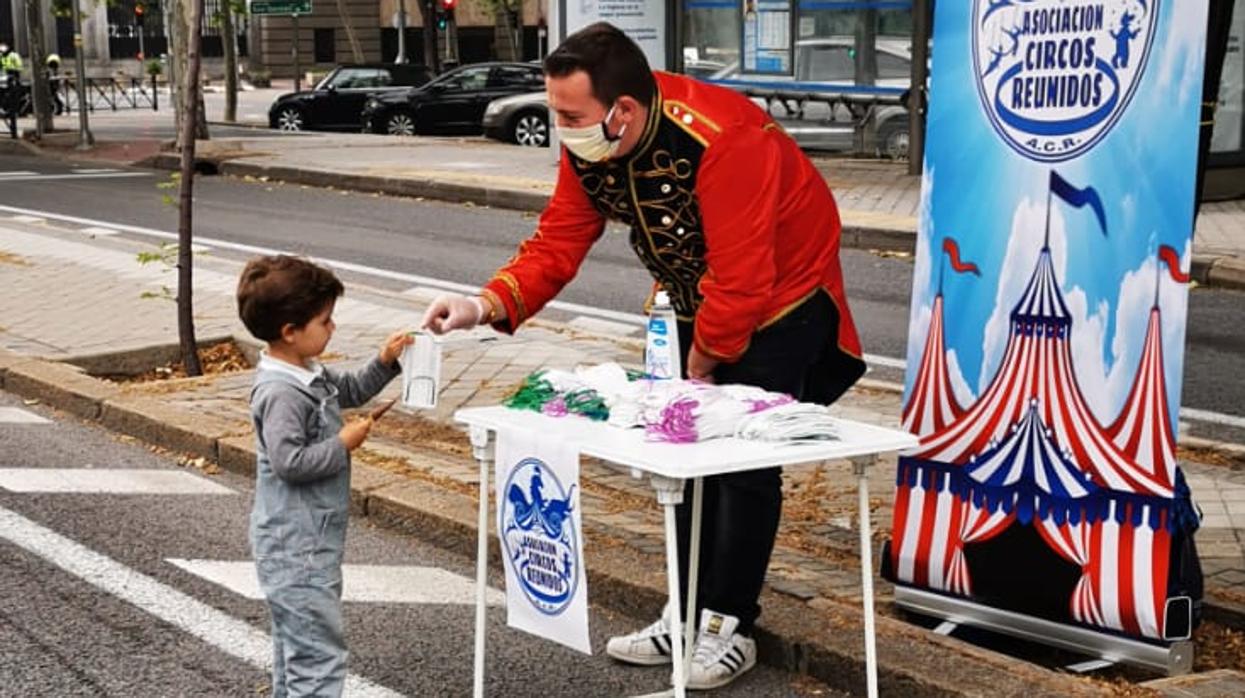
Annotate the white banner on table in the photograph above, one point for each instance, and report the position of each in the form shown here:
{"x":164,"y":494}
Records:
{"x":542,"y":538}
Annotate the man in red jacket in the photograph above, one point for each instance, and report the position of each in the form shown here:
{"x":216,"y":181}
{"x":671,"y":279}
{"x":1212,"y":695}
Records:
{"x":738,"y":227}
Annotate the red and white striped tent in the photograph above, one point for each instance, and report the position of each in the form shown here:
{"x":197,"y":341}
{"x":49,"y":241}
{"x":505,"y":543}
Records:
{"x":1030,"y":451}
{"x":932,"y":405}
{"x":1143,"y":430}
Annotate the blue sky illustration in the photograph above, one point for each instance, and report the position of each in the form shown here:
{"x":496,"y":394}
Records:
{"x":992,"y":200}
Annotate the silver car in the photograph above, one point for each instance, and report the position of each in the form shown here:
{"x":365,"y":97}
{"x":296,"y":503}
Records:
{"x":521,"y":119}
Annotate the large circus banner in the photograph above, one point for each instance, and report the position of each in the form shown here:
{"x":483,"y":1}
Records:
{"x":1045,"y":345}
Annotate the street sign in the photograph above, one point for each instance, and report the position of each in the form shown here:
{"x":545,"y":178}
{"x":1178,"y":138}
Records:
{"x":280,"y":7}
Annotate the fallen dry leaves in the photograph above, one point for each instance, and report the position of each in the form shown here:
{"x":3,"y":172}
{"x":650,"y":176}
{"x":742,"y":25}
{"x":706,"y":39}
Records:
{"x":216,"y":360}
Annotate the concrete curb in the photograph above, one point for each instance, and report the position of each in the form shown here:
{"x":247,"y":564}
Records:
{"x":913,"y":662}
{"x":1219,"y":271}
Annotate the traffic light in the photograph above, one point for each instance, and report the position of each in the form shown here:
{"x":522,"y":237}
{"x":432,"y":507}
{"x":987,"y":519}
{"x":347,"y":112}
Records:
{"x":445,"y":12}
{"x":138,"y":15}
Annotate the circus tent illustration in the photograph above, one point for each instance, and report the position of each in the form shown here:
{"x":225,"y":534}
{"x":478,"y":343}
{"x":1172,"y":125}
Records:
{"x":1109,"y":500}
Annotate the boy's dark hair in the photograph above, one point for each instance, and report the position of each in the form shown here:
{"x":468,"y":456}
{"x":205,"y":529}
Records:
{"x":282,"y":290}
{"x":614,"y":63}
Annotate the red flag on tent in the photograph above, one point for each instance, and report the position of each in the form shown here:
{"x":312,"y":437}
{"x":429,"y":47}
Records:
{"x":1169,"y":255}
{"x":953,"y":251}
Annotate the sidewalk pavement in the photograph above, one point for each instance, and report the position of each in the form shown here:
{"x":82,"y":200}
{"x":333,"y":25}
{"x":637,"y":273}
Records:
{"x":70,"y":297}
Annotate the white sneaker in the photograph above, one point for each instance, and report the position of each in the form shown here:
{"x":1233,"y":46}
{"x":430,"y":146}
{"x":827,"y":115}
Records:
{"x":722,"y":654}
{"x":647,"y":647}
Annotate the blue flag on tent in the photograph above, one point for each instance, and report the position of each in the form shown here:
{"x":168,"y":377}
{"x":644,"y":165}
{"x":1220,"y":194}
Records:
{"x":1078,"y":197}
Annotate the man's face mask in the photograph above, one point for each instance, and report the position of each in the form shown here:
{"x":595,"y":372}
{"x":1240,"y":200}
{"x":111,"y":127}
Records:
{"x":592,"y":143}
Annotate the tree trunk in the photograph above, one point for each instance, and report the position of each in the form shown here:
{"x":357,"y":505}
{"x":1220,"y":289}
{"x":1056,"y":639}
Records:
{"x":230,"y":41}
{"x":356,"y":51}
{"x":192,"y":108}
{"x":201,"y":124}
{"x":176,"y":27}
{"x":39,"y":85}
{"x":185,"y":288}
{"x":432,"y":58}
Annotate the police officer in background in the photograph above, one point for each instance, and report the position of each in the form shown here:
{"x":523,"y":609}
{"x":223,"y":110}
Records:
{"x":53,"y":63}
{"x":10,"y":86}
{"x":10,"y":62}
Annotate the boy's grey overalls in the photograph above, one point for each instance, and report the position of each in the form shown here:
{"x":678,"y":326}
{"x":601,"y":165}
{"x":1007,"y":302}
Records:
{"x":298,"y":524}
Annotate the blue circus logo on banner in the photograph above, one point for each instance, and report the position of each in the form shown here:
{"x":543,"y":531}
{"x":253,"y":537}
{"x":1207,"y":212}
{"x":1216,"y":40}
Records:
{"x":539,"y":536}
{"x":1055,"y":75}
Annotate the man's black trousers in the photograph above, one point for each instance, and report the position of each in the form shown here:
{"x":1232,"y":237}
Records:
{"x":741,"y":510}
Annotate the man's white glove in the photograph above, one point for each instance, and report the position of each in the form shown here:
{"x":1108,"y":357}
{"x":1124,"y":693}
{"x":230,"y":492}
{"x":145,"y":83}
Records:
{"x":453,"y":312}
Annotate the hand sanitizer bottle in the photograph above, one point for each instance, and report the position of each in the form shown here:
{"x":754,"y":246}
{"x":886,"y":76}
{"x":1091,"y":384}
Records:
{"x":662,"y":359}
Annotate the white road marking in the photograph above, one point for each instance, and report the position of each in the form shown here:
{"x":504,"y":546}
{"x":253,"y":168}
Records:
{"x":336,"y":264}
{"x":424,"y":291}
{"x":222,"y":631}
{"x":17,"y":173}
{"x":107,"y":481}
{"x":407,"y":584}
{"x":112,"y":175}
{"x":98,"y":231}
{"x":886,"y":361}
{"x":1197,"y":415}
{"x":607,"y":327}
{"x":425,"y":283}
{"x":95,"y":171}
{"x":16,"y":415}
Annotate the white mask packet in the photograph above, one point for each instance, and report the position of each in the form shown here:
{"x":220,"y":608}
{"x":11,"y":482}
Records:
{"x":421,"y":372}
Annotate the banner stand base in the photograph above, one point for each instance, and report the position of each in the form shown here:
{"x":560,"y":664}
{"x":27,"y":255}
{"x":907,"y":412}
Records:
{"x":1172,"y":659}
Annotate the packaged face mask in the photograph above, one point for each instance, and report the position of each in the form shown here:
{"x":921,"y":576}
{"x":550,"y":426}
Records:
{"x":421,"y":372}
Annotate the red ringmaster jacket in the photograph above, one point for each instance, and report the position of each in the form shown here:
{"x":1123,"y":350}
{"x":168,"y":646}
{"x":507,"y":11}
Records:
{"x":726,"y":212}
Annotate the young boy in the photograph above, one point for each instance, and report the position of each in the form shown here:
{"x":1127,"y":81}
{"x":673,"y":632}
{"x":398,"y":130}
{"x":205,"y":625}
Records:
{"x":302,"y":492}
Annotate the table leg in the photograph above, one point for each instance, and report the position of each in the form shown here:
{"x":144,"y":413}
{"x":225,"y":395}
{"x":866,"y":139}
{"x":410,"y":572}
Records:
{"x":860,"y":467}
{"x":693,"y":574}
{"x":670,"y":494}
{"x":482,"y":446}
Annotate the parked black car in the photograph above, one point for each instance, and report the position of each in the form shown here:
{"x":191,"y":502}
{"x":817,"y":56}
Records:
{"x":337,"y":102}
{"x":454,"y":103}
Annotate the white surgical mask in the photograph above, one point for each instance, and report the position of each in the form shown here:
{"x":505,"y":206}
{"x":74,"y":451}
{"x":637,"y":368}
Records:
{"x":592,"y":143}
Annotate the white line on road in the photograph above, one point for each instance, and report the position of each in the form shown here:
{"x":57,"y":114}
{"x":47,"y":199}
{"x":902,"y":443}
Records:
{"x":17,"y":173}
{"x":222,"y":631}
{"x":443,"y":285}
{"x":73,"y":176}
{"x":606,"y":327}
{"x":95,"y":171}
{"x":107,"y":481}
{"x":407,"y":584}
{"x":1227,"y":420}
{"x":16,"y":415}
{"x":336,"y":264}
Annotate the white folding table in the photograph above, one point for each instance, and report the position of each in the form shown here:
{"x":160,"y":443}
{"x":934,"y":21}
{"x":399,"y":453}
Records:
{"x":669,"y":466}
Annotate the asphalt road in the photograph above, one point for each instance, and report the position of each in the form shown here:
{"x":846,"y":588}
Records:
{"x":91,"y":604}
{"x":465,"y":244}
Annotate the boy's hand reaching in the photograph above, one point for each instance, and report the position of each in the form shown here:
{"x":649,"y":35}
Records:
{"x":393,"y":346}
{"x":354,"y":433}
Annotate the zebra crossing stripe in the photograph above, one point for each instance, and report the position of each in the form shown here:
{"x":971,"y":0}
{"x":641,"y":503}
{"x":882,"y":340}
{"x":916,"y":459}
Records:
{"x":106,"y":481}
{"x":227,"y":634}
{"x":16,"y":415}
{"x":397,"y":584}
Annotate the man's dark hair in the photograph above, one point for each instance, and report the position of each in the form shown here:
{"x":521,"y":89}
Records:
{"x":282,"y":290}
{"x":614,"y":63}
